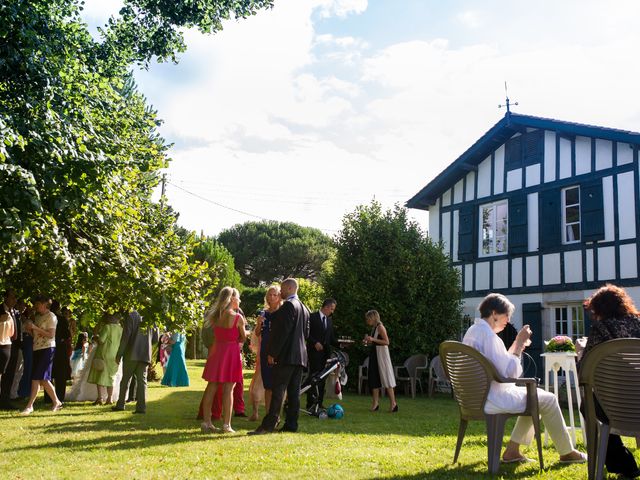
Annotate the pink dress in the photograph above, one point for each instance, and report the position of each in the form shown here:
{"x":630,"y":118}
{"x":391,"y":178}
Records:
{"x":224,"y":363}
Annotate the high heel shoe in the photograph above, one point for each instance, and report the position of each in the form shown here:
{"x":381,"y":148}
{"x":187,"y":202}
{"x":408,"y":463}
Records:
{"x":227,"y":429}
{"x":394,"y":409}
{"x":208,"y":428}
{"x":375,"y":409}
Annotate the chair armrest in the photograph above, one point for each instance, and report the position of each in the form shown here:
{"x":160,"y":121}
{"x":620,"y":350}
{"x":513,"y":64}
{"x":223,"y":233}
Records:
{"x":520,"y":382}
{"x":525,"y":382}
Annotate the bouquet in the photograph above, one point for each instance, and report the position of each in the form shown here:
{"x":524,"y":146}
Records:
{"x":560,"y":343}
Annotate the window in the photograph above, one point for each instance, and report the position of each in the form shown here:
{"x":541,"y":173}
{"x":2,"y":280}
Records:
{"x":494,"y":228}
{"x":569,"y":321}
{"x":571,"y":214}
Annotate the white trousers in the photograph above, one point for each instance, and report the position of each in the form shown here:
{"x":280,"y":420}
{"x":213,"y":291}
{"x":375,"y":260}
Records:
{"x":553,"y":421}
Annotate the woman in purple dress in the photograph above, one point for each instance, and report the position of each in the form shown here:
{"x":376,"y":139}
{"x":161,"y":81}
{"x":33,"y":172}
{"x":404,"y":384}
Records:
{"x":44,"y":347}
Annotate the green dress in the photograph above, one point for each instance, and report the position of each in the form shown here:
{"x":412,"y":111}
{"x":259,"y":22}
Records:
{"x":106,"y":350}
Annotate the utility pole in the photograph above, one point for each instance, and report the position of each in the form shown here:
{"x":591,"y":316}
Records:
{"x":164,"y":186}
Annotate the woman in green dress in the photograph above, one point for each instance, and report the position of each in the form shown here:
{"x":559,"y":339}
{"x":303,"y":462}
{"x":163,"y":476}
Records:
{"x":104,"y":366}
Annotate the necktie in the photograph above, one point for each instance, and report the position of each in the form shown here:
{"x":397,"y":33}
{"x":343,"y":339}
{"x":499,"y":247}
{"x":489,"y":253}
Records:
{"x":324,"y":322}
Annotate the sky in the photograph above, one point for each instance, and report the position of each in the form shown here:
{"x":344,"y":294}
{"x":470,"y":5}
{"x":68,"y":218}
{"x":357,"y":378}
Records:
{"x":305,"y":111}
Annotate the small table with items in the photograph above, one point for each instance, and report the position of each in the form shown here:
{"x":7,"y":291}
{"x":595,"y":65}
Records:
{"x":554,"y":361}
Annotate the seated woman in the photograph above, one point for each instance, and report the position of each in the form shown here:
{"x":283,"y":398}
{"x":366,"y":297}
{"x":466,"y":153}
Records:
{"x":495,"y":311}
{"x":614,"y":316}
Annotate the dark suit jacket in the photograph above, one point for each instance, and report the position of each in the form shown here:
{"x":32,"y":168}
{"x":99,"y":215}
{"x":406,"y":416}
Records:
{"x":318,"y":334}
{"x":289,"y":330}
{"x":136,"y":343}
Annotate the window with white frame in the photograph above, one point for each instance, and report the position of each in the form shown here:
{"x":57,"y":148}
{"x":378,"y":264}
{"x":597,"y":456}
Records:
{"x":568,"y":320}
{"x":494,"y":234}
{"x":571,"y":214}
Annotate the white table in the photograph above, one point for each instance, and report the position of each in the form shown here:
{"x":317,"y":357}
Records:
{"x":554,"y":361}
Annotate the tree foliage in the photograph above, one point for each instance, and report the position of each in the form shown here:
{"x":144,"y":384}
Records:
{"x":385,"y":262}
{"x":311,"y":293}
{"x":145,"y":29}
{"x":80,"y":155}
{"x":219,"y":267}
{"x":270,"y":251}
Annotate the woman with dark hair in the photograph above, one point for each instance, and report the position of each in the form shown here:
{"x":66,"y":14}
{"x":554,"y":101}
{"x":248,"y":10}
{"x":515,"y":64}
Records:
{"x":61,"y":370}
{"x":44,"y":347}
{"x":26,"y":320}
{"x":614,"y":315}
{"x":79,"y":355}
{"x":495,"y":312}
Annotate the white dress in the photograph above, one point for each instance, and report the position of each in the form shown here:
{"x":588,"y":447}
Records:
{"x":385,"y":367}
{"x":502,"y":397}
{"x":81,"y":391}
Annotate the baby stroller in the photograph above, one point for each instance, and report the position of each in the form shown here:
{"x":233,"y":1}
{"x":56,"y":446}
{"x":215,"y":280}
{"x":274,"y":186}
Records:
{"x":337,"y":360}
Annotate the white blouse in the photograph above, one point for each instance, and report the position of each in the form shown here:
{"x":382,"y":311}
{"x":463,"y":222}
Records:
{"x":503,"y":397}
{"x":6,"y":330}
{"x":46,"y":322}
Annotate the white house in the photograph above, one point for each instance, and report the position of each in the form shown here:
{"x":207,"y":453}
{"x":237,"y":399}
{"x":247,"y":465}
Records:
{"x":543,"y":211}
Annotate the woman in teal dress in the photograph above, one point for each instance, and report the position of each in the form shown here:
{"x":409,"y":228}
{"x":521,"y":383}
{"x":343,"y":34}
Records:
{"x":176,"y":374}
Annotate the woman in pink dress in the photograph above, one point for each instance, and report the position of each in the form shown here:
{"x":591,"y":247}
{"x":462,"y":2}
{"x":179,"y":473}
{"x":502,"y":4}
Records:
{"x":224,"y":365}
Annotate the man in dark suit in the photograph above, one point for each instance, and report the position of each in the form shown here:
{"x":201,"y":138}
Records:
{"x":287,"y":352}
{"x":8,"y":305}
{"x":135,"y":350}
{"x":319,"y":345}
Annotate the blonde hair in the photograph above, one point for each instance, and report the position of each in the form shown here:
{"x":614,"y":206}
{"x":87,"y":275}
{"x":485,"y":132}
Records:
{"x":266,"y":294}
{"x":220,"y":305}
{"x":373,"y":314}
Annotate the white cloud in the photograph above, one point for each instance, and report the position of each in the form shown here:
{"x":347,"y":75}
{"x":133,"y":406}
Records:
{"x":470,"y":18}
{"x":101,"y":10}
{"x":341,"y":8}
{"x":294,"y":125}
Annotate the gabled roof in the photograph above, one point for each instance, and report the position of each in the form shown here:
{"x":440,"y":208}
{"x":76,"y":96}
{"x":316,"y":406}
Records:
{"x":510,"y":124}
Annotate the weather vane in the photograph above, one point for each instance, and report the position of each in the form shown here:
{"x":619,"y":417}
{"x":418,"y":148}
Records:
{"x":508,"y":103}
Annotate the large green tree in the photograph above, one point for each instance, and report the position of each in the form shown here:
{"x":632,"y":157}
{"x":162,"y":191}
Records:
{"x":270,"y":251}
{"x":80,"y":156}
{"x":385,"y":262}
{"x":219,"y":265}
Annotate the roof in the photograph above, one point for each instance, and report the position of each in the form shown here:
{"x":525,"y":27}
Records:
{"x":510,"y":124}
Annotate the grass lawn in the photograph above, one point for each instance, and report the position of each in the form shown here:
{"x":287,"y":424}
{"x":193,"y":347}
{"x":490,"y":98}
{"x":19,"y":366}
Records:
{"x":84,"y":441}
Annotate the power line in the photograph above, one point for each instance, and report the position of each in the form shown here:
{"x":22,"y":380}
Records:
{"x":235,"y":209}
{"x":216,"y":203}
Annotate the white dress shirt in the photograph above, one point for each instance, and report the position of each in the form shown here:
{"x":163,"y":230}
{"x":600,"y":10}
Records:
{"x":503,"y":397}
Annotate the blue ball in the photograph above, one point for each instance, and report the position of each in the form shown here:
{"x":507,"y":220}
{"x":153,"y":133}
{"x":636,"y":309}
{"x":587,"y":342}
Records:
{"x":335,"y":411}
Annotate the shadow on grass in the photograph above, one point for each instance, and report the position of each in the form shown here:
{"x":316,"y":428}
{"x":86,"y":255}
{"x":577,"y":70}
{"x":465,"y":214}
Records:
{"x":126,"y":430}
{"x":479,"y":470}
{"x":170,"y":420}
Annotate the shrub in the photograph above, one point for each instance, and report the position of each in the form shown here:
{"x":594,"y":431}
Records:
{"x":385,"y":262}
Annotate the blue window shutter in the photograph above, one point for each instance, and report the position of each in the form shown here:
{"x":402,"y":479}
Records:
{"x":533,"y":147}
{"x":550,"y":219}
{"x":513,"y":153}
{"x":532,"y":316}
{"x":587,"y":322}
{"x":592,"y":211}
{"x":467,"y":229}
{"x":518,"y":234}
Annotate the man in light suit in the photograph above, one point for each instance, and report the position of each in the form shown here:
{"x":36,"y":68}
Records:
{"x":135,"y":350}
{"x":319,"y":345}
{"x":287,"y":352}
